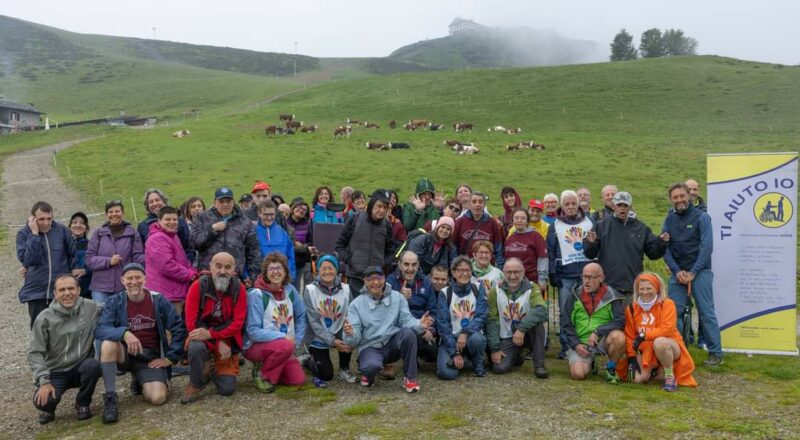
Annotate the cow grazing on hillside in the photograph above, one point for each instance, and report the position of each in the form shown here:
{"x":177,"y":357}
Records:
{"x":418,"y":122}
{"x":342,"y":131}
{"x":181,"y":133}
{"x":451,"y":143}
{"x":392,"y":124}
{"x":286,"y":117}
{"x":466,"y":149}
{"x":309,"y":128}
{"x":294,"y":124}
{"x":497,"y":128}
{"x":376,"y":146}
{"x":351,"y":121}
{"x":409,"y":126}
{"x":435,"y":127}
{"x":372,"y":125}
{"x":460,"y":127}
{"x":524,"y":146}
{"x":270,"y":130}
{"x":514,"y":130}
{"x":399,"y":145}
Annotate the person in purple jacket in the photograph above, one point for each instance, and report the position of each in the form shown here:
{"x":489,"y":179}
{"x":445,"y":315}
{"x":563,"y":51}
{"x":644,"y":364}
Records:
{"x":111,"y":247}
{"x":168,"y":271}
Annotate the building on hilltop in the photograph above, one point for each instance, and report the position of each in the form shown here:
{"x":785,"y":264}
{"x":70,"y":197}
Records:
{"x":461,"y":26}
{"x":16,"y":117}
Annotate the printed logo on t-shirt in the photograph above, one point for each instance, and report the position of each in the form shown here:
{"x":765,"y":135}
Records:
{"x":141,"y":322}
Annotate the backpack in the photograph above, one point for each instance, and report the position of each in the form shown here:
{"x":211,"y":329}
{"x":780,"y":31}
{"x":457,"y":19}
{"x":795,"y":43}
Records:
{"x":207,"y":286}
{"x":411,"y":235}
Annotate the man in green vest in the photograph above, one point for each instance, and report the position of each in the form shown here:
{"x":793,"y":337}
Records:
{"x":592,"y":321}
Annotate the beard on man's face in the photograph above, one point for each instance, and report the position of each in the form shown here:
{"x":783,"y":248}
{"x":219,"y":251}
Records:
{"x":222,"y":282}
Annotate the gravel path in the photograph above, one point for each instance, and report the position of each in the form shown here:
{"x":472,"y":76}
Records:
{"x":27,"y":177}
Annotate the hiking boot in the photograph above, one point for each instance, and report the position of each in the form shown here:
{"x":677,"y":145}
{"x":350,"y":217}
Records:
{"x":670,"y":384}
{"x":263,"y":385}
{"x":541,"y":372}
{"x":136,"y":387}
{"x":255,"y":372}
{"x":388,"y":372}
{"x":110,"y":411}
{"x":713,"y":360}
{"x":46,"y":417}
{"x":83,"y":412}
{"x":479,"y":372}
{"x":561,"y":354}
{"x":411,"y":385}
{"x":318,"y":383}
{"x":190,"y":393}
{"x":347,"y":376}
{"x":365,"y":381}
{"x":304,"y":358}
{"x":612,"y":378}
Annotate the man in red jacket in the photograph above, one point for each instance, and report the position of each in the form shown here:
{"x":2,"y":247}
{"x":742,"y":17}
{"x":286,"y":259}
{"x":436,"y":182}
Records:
{"x":216,"y":308}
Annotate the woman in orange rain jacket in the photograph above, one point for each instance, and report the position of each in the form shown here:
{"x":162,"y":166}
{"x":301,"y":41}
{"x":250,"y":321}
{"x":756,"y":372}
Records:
{"x":654,"y":345}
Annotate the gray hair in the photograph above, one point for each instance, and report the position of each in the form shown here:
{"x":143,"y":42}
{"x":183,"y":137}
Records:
{"x":154,"y":191}
{"x":549,"y":196}
{"x":568,"y":193}
{"x":406,"y":252}
{"x":458,"y":260}
{"x":514,"y":260}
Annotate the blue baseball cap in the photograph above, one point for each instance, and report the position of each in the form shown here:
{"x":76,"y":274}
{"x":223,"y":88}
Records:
{"x":223,"y":193}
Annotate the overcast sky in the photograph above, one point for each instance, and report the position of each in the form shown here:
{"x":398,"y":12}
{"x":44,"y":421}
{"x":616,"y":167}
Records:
{"x":764,"y":30}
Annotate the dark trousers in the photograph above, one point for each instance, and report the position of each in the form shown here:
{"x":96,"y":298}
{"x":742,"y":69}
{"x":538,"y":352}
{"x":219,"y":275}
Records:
{"x":320,"y":363}
{"x":427,"y":351}
{"x":534,"y":339}
{"x":355,"y":286}
{"x":84,"y":376}
{"x":35,"y":307}
{"x":199,"y":356}
{"x":402,"y":345}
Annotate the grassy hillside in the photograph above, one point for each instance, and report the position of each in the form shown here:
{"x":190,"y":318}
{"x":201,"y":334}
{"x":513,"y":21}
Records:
{"x":641,"y":125}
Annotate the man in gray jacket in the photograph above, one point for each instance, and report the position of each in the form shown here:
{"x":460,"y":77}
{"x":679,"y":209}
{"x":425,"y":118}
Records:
{"x":61,"y":351}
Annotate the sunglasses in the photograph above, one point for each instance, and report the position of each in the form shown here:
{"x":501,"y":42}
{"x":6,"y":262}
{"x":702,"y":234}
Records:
{"x":454,"y":208}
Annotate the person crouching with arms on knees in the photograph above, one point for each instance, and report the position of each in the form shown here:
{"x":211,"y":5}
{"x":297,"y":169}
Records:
{"x":276,"y":325}
{"x":61,"y":351}
{"x":133,"y":329}
{"x":216,"y":308}
{"x":592,"y":322}
{"x":460,"y":317}
{"x":326,"y":300}
{"x":655,"y":347}
{"x":517,"y":314}
{"x":380,"y":325}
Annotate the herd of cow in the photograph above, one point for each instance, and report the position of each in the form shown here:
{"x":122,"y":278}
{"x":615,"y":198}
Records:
{"x":292,"y":126}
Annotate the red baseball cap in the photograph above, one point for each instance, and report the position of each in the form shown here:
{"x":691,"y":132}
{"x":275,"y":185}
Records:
{"x":260,"y":186}
{"x":534,"y":203}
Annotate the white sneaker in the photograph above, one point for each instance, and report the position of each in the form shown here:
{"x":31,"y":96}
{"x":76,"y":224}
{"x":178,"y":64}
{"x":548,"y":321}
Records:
{"x":347,"y":376}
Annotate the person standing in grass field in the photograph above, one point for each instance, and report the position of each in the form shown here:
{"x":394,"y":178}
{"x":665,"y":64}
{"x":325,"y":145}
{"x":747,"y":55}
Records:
{"x":654,"y":347}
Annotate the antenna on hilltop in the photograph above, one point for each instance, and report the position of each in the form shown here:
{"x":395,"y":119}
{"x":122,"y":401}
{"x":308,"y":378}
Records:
{"x":154,"y":33}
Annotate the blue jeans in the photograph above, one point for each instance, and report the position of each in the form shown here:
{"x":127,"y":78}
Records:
{"x":474,"y":353}
{"x":564,"y":295}
{"x":703,"y":295}
{"x":100,"y":297}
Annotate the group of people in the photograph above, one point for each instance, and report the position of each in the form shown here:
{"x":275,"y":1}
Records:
{"x":195,"y":290}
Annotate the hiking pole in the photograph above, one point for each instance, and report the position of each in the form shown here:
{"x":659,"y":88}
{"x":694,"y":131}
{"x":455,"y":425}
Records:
{"x":687,"y":315}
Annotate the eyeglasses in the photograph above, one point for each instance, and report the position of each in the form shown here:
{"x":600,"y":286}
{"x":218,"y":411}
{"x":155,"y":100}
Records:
{"x":275,"y":269}
{"x":513,"y":272}
{"x":463,"y":270}
{"x":454,"y":208}
{"x":372,"y":278}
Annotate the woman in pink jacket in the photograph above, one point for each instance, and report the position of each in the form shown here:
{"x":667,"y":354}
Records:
{"x":167,"y":270}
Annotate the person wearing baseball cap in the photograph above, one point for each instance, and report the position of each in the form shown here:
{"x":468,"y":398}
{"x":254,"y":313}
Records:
{"x":536,"y":211}
{"x":224,"y":228}
{"x":620,"y":242}
{"x":245,"y":201}
{"x":383,"y":330}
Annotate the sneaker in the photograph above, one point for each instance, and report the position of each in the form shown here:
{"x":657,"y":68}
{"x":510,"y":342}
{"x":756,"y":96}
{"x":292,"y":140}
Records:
{"x":110,"y":412}
{"x":304,"y":358}
{"x":670,"y":384}
{"x":46,"y":417}
{"x":481,"y":372}
{"x":365,"y":381}
{"x":411,"y":385}
{"x":318,"y":383}
{"x":541,"y":372}
{"x":388,"y":372}
{"x":713,"y":360}
{"x":562,"y":354}
{"x":136,"y":387}
{"x":263,"y":385}
{"x":83,"y":412}
{"x":612,"y":378}
{"x":190,"y":393}
{"x":347,"y":376}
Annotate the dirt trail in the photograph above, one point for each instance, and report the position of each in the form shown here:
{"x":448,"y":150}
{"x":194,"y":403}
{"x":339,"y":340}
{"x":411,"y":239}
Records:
{"x":27,"y":177}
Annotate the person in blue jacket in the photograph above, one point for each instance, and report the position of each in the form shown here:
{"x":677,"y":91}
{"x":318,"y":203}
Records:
{"x":46,"y":250}
{"x":418,"y":290}
{"x":272,"y":237}
{"x":460,"y":319}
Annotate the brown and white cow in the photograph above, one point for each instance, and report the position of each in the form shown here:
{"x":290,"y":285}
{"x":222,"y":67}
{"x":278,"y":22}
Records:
{"x":181,"y":133}
{"x":372,"y":125}
{"x":342,"y":131}
{"x":351,"y":121}
{"x":376,"y":146}
{"x":466,"y":149}
{"x":409,"y":126}
{"x":270,"y":130}
{"x":460,"y":127}
{"x":497,"y":128}
{"x":286,"y":117}
{"x":392,"y":124}
{"x":294,"y":124}
{"x":309,"y":128}
{"x":451,"y":143}
{"x":514,"y":130}
{"x":418,"y":122}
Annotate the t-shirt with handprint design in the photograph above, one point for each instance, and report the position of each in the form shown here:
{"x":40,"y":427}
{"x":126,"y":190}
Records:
{"x":332,"y":309}
{"x":570,"y":240}
{"x":512,"y":312}
{"x":462,"y":310}
{"x":281,"y":313}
